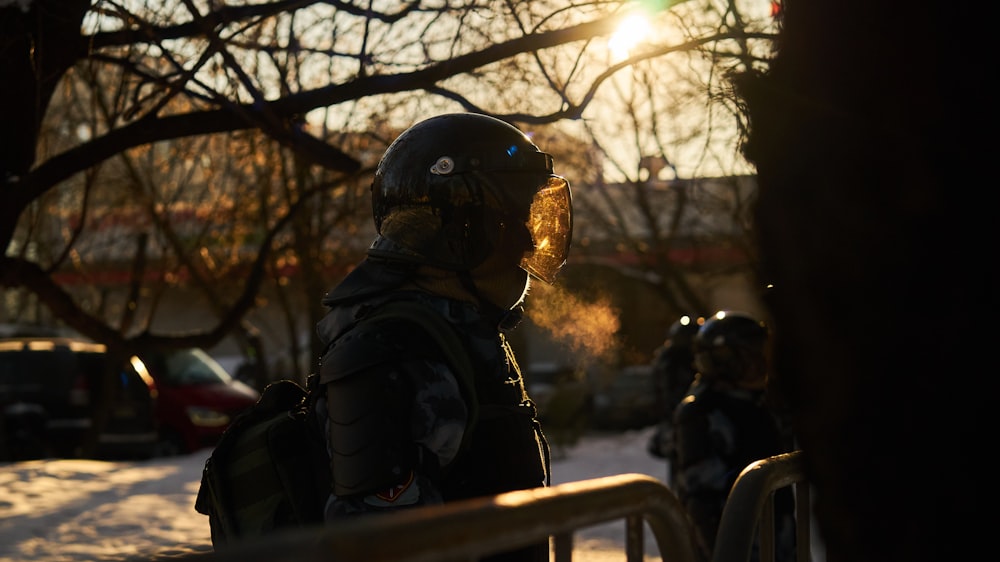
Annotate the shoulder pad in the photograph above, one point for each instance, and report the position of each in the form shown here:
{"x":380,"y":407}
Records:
{"x":691,"y":407}
{"x":362,"y":347}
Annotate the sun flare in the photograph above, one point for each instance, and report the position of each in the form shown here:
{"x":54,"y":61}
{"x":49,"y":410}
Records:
{"x":631,"y":31}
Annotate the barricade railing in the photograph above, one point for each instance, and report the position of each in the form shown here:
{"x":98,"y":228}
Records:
{"x":750,"y":513}
{"x":468,"y":530}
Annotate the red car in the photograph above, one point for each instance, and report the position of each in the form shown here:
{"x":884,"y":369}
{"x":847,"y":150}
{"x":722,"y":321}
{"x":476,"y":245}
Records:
{"x":197,"y":399}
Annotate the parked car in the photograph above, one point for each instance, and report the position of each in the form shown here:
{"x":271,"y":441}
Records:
{"x":165,"y":403}
{"x":49,"y":392}
{"x":627,"y":400}
{"x":197,"y":399}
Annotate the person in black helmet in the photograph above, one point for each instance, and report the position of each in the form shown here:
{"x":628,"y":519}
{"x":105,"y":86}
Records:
{"x":724,"y":423}
{"x":467,"y":210}
{"x":673,"y":373}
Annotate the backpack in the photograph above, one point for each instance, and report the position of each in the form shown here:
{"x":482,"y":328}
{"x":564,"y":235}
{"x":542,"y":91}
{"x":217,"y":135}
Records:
{"x":270,"y":469}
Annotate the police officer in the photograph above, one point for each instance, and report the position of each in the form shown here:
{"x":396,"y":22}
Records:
{"x":724,"y":423}
{"x":673,"y":373}
{"x":467,"y":210}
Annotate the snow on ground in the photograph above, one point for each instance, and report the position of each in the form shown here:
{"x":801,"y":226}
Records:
{"x":96,"y":511}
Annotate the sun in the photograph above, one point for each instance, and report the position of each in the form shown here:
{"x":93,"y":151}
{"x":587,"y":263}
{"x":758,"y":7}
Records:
{"x":632,"y":30}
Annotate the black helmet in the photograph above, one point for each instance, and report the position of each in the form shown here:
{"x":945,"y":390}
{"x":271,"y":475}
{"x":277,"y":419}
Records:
{"x":448,"y":188}
{"x":681,"y":333}
{"x":731,"y":345}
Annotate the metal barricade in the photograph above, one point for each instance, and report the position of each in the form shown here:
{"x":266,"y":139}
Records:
{"x":471,"y":529}
{"x":749,"y":510}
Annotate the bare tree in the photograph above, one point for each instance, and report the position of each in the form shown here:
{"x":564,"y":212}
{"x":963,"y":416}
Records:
{"x":667,"y":202}
{"x":188,"y":85}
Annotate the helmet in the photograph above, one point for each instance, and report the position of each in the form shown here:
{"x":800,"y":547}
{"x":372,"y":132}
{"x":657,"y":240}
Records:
{"x":455,"y":189}
{"x":681,"y":333}
{"x":731,"y":345}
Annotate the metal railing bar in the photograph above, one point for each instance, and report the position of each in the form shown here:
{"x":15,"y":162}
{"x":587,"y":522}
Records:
{"x":803,"y":517}
{"x":562,"y":547}
{"x":470,"y":529}
{"x":745,"y":506}
{"x":634,"y":540}
{"x":766,"y":529}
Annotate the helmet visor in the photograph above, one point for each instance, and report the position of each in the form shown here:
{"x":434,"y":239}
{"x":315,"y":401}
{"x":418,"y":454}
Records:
{"x":550,"y":222}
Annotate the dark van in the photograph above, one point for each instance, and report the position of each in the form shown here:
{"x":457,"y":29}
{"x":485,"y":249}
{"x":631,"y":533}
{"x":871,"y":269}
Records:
{"x":49,"y":389}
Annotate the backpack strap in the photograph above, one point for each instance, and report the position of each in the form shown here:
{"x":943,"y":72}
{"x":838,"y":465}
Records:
{"x":448,"y":342}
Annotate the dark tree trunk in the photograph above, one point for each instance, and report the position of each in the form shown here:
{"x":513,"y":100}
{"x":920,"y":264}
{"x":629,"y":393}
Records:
{"x":875,"y":228}
{"x":37,"y":46}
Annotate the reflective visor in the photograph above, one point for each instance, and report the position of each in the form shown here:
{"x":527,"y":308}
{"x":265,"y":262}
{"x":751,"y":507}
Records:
{"x":550,"y":222}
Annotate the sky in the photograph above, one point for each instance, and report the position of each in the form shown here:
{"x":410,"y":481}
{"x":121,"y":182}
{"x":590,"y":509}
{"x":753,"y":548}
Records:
{"x":85,"y":510}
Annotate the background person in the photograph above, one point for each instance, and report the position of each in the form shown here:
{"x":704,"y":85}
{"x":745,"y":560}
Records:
{"x":673,"y":373}
{"x":725,"y":424}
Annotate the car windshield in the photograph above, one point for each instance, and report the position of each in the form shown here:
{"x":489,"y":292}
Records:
{"x":194,"y":366}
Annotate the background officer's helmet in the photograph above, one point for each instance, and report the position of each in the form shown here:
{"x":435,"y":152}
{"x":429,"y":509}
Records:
{"x":732,"y":345}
